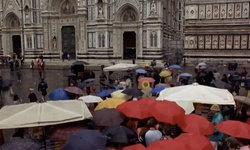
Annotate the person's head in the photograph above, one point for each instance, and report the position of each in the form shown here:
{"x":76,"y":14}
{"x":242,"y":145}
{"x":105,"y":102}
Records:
{"x":31,"y":89}
{"x":152,"y":123}
{"x":16,"y":97}
{"x":42,"y":79}
{"x":232,"y":142}
{"x":243,"y":142}
{"x":215,"y":108}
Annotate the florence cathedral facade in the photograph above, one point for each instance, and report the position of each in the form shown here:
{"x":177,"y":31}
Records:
{"x":89,"y":29}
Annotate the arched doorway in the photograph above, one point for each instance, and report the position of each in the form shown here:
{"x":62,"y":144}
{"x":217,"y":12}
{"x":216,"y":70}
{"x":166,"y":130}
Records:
{"x":68,"y":41}
{"x":129,"y":45}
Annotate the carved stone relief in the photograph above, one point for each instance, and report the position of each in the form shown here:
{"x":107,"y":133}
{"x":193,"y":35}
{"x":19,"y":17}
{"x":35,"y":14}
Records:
{"x":222,"y":41}
{"x":186,"y":43}
{"x":208,"y":42}
{"x":192,"y":42}
{"x":215,"y":11}
{"x":215,"y":42}
{"x":245,"y":10}
{"x":67,"y":8}
{"x":237,"y":42}
{"x":129,"y":15}
{"x":243,"y":42}
{"x":201,"y":42}
{"x":230,"y":11}
{"x":229,"y":42}
{"x":223,"y":11}
{"x":202,"y":13}
{"x":153,"y":9}
{"x":208,"y":11}
{"x":238,"y":10}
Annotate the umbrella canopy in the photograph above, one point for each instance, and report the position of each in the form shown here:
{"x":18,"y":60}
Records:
{"x":242,"y":99}
{"x":80,"y":63}
{"x":42,"y":114}
{"x":195,"y":141}
{"x":87,"y":139}
{"x":6,"y":84}
{"x":196,"y":124}
{"x":108,"y":85}
{"x":234,"y":128}
{"x":201,"y":64}
{"x":137,"y":109}
{"x":168,"y":144}
{"x":118,"y":75}
{"x":186,"y":105}
{"x":158,"y":89}
{"x":59,"y":94}
{"x":222,"y":85}
{"x":109,"y":103}
{"x":71,"y":74}
{"x":89,"y":80}
{"x":198,"y":94}
{"x":120,"y":134}
{"x":90,"y":99}
{"x":104,"y":93}
{"x":21,"y":144}
{"x":200,"y":67}
{"x":74,"y":90}
{"x":121,"y":67}
{"x":134,"y":147}
{"x":64,"y":131}
{"x":167,"y":112}
{"x":175,"y":67}
{"x":119,"y":94}
{"x":88,"y":84}
{"x":133,"y":92}
{"x":146,"y":79}
{"x":186,"y":75}
{"x":141,"y":71}
{"x":165,"y":73}
{"x":107,"y":117}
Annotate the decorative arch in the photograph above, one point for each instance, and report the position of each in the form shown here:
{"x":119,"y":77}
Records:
{"x":67,"y":8}
{"x":12,"y":20}
{"x":127,"y":13}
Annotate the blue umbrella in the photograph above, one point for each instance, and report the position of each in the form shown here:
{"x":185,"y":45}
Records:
{"x":59,"y":94}
{"x":185,"y":75}
{"x":104,"y":93}
{"x":158,"y":89}
{"x":87,"y":140}
{"x":142,"y":71}
{"x":200,"y":67}
{"x":176,"y":67}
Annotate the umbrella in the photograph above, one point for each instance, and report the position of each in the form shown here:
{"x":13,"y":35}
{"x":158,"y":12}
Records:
{"x":137,"y":109}
{"x":80,"y":63}
{"x":242,"y":99}
{"x":89,"y":80}
{"x":186,"y":105}
{"x":90,"y":99}
{"x":90,"y":84}
{"x":119,"y":94}
{"x":176,"y":67}
{"x":168,"y":144}
{"x":121,"y":67}
{"x":196,"y":124}
{"x":133,"y":92}
{"x":71,"y":75}
{"x":108,"y":84}
{"x":42,"y":114}
{"x":59,"y":94}
{"x":201,"y":64}
{"x":6,"y":84}
{"x":74,"y":90}
{"x":118,"y":75}
{"x":234,"y":128}
{"x":186,"y":75}
{"x":227,"y":72}
{"x":87,"y":140}
{"x":158,"y":89}
{"x":104,"y":93}
{"x":146,"y":79}
{"x":197,"y":94}
{"x":167,"y":112}
{"x":64,"y":131}
{"x":109,"y":103}
{"x":200,"y":67}
{"x":21,"y":144}
{"x":107,"y":117}
{"x":195,"y":141}
{"x":120,"y":134}
{"x":222,"y":85}
{"x":134,"y":147}
{"x":165,"y":73}
{"x":141,"y":71}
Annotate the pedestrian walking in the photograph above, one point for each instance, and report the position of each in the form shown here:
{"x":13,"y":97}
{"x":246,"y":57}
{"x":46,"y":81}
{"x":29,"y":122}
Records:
{"x":32,"y":96}
{"x":42,"y":87}
{"x":18,"y":73}
{"x":68,"y":56}
{"x":17,"y":100}
{"x":40,"y":70}
{"x":32,"y":65}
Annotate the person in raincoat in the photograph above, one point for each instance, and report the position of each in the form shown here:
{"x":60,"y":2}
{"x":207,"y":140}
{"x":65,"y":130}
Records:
{"x":217,"y":118}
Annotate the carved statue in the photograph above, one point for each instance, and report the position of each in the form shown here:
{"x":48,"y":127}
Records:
{"x":54,"y":43}
{"x":100,"y":11}
{"x":46,"y":4}
{"x":67,"y":8}
{"x":129,"y":16}
{"x":153,"y":8}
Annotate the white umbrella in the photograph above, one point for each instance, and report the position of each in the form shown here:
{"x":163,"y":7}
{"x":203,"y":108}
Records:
{"x":202,"y":64}
{"x":43,"y":114}
{"x":90,"y":99}
{"x":198,"y":94}
{"x":121,"y":67}
{"x":119,"y":94}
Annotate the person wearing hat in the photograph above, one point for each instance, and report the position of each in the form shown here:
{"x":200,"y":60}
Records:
{"x":217,"y":118}
{"x":32,"y":95}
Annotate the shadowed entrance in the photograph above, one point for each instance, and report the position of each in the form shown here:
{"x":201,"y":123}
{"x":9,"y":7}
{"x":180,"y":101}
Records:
{"x":129,"y":45}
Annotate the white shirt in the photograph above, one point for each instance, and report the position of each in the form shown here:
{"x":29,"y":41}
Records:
{"x":152,"y":136}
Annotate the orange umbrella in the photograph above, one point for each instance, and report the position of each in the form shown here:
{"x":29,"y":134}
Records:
{"x":167,"y":145}
{"x":234,"y":128}
{"x":167,"y":112}
{"x":136,"y":109}
{"x":146,"y":79}
{"x":135,"y":147}
{"x":195,"y":141}
{"x":196,"y":124}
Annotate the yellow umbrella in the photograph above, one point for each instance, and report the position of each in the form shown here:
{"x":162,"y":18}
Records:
{"x":165,"y":73}
{"x":119,"y":94}
{"x":109,"y":103}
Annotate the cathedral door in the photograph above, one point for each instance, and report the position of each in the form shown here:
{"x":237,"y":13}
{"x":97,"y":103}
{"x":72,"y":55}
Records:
{"x":16,"y":43}
{"x":68,"y":41}
{"x":129,"y":45}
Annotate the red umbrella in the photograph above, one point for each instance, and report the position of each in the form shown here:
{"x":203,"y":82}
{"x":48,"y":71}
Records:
{"x":147,"y":79}
{"x":167,"y":112}
{"x":195,"y":141}
{"x":196,"y":124}
{"x":136,"y":109}
{"x":234,"y":128}
{"x":168,"y":145}
{"x":135,"y":147}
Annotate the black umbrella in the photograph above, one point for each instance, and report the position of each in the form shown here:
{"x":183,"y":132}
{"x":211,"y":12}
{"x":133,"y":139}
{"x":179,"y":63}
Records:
{"x":80,"y":63}
{"x":6,"y":84}
{"x":108,"y":84}
{"x":222,"y":85}
{"x":120,"y":134}
{"x":133,"y":92}
{"x":71,"y":75}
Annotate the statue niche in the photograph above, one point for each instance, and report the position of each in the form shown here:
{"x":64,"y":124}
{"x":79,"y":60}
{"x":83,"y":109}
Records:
{"x":67,"y":8}
{"x":14,"y":22}
{"x":129,"y":15}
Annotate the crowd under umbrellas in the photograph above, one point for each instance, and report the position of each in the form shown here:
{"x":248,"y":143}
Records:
{"x":136,"y":108}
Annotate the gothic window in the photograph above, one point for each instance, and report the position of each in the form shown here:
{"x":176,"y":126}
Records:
{"x":29,"y":41}
{"x":14,"y":22}
{"x":36,"y":11}
{"x":39,"y":41}
{"x":144,"y":36}
{"x":67,"y":8}
{"x":110,"y":39}
{"x":129,"y":15}
{"x":101,"y":40}
{"x":153,"y":39}
{"x":110,"y":10}
{"x":91,"y":40}
{"x":91,"y":9}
